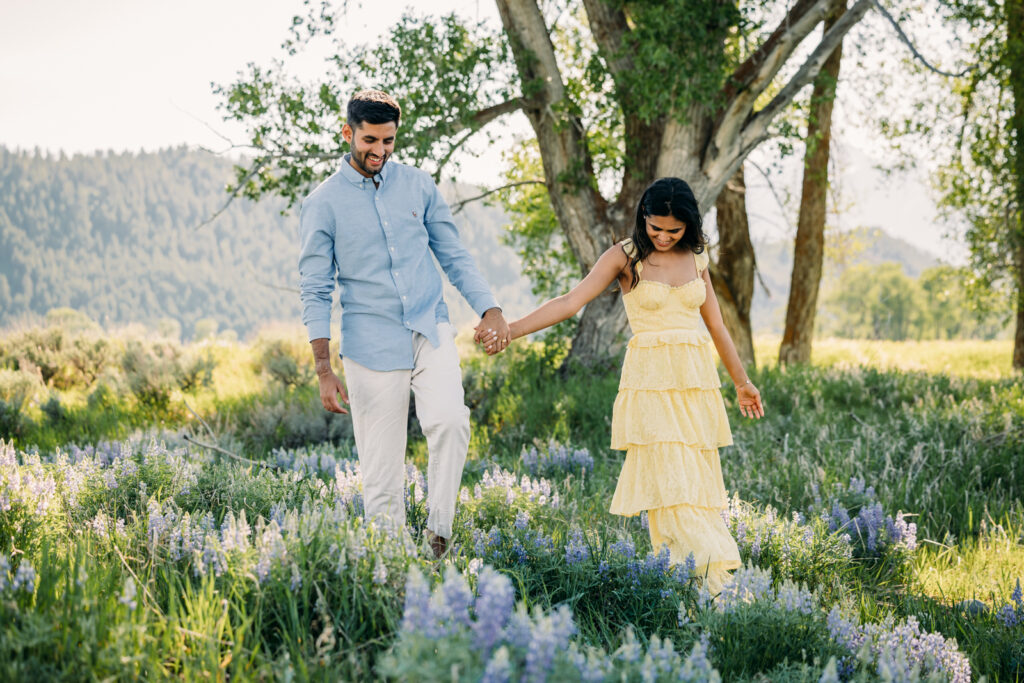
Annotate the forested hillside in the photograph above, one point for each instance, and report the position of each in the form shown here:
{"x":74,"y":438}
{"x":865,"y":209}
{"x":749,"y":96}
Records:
{"x":117,"y":236}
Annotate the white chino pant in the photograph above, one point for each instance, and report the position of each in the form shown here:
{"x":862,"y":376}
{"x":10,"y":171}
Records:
{"x":379,"y":402}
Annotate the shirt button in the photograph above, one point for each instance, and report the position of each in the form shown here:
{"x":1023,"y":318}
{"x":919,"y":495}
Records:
{"x":392,"y":248}
{"x":403,"y":298}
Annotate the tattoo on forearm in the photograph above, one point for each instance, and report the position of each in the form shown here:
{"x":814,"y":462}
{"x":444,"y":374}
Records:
{"x":322,"y":356}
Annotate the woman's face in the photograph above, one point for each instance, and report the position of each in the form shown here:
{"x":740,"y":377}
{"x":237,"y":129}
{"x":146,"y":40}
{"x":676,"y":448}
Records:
{"x":665,"y":231}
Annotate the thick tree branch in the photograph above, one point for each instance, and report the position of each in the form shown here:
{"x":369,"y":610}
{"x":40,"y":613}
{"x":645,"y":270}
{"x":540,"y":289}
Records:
{"x":568,"y":168}
{"x":756,"y":129}
{"x":608,"y":25}
{"x":610,"y":28}
{"x":755,"y":74}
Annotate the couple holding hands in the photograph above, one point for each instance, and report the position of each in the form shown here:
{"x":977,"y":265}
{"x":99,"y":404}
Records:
{"x":372,"y":226}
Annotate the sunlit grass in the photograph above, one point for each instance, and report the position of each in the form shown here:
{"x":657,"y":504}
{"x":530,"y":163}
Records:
{"x":985,"y":567}
{"x":957,"y":357}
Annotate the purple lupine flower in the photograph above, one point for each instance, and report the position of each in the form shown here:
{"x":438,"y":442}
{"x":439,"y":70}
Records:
{"x":747,"y":586}
{"x":519,"y":629}
{"x":380,"y":572}
{"x":1012,"y":614}
{"x":494,"y":604}
{"x":479,"y":542}
{"x":661,"y":658}
{"x":697,"y":667}
{"x":576,"y":549}
{"x":417,"y":616}
{"x":844,"y":631}
{"x":657,"y":564}
{"x":551,"y":633}
{"x":593,"y":666}
{"x":25,"y":577}
{"x":499,"y":667}
{"x":630,"y":649}
{"x":541,"y":542}
{"x":839,"y":518}
{"x":452,"y":600}
{"x":793,"y":598}
{"x":522,"y":520}
{"x":625,"y":547}
{"x":520,"y":552}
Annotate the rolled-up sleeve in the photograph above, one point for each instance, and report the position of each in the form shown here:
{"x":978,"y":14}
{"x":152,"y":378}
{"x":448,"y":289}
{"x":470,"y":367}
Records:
{"x":455,"y":260}
{"x":316,"y":267}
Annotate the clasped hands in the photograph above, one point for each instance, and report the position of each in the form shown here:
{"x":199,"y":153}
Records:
{"x":492,"y":332}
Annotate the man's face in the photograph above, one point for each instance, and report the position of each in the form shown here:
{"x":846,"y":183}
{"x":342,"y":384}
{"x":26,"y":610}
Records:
{"x":371,"y":144}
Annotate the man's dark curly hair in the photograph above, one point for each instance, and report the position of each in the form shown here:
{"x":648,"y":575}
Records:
{"x":373,"y":106}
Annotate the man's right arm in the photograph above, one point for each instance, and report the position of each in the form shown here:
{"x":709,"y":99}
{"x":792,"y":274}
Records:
{"x":316,"y":267}
{"x":316,"y":287}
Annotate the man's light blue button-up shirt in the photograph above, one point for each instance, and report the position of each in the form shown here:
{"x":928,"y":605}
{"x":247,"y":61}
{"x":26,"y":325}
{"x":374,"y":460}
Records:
{"x":377,"y":241}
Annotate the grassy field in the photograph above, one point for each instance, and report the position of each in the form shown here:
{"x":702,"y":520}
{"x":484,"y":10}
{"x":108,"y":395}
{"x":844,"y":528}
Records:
{"x":881,"y":491}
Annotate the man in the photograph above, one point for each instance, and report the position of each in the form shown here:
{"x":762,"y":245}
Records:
{"x":373,"y":225}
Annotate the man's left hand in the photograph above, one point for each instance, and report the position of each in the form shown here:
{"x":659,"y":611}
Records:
{"x":493,"y":332}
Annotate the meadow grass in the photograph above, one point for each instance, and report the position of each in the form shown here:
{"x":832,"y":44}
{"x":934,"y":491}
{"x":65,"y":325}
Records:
{"x":144,"y":565}
{"x":955,"y":357}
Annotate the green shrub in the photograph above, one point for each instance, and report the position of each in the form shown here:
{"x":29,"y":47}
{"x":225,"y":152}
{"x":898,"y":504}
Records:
{"x":284,"y":361}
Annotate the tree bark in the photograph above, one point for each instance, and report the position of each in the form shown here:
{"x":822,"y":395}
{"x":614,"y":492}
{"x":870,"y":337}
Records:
{"x":732,"y":275}
{"x":809,"y":248}
{"x":1015,"y":48}
{"x":568,"y":170}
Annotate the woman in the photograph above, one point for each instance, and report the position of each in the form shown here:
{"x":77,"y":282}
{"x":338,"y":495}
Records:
{"x":669,"y":415}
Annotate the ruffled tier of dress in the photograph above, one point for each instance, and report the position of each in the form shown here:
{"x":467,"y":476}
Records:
{"x":689,"y":417}
{"x":685,"y":529}
{"x":680,"y":359}
{"x":668,"y":474}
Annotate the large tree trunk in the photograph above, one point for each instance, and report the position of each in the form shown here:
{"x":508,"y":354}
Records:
{"x":1018,"y":338}
{"x":582,"y":212}
{"x":1015,"y":48}
{"x":732,"y":275}
{"x":809,"y":249}
{"x":705,"y":146}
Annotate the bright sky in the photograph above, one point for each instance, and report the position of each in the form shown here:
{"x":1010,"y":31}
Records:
{"x":136,"y":74}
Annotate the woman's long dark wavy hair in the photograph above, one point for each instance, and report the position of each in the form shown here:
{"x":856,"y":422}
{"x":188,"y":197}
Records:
{"x":667,"y":197}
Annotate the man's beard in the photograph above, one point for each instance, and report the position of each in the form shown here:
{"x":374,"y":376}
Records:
{"x":364,"y":164}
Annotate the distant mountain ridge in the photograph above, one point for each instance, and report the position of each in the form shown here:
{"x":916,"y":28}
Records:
{"x":854,"y":247}
{"x":116,"y":236}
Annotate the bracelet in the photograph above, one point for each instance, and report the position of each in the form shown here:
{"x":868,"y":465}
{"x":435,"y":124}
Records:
{"x":738,"y":386}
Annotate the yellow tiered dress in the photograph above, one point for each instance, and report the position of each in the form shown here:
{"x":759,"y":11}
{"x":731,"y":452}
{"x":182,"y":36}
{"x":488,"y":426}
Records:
{"x":670,"y":419}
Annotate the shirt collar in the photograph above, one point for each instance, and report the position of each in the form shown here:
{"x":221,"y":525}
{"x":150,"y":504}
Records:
{"x":357,"y":178}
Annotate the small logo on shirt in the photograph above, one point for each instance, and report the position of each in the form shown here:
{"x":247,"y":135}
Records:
{"x":414,"y":214}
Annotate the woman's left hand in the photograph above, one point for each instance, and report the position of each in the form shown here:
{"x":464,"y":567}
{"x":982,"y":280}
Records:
{"x":749,"y":399}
